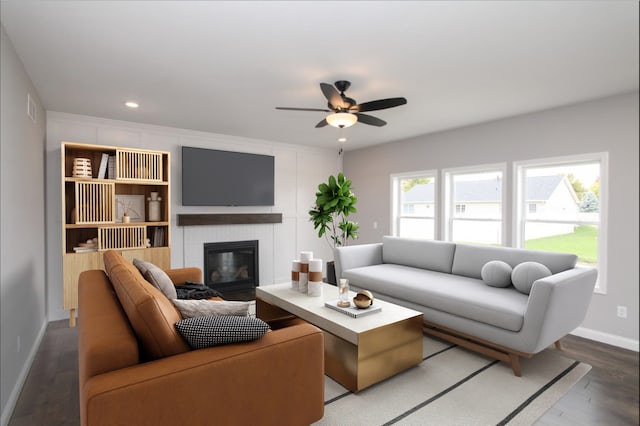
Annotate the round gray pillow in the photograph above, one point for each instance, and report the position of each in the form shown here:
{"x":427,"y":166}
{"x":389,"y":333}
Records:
{"x":496,"y":273}
{"x":526,"y":273}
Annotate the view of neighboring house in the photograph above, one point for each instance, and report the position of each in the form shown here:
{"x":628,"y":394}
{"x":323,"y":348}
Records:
{"x":473,"y":200}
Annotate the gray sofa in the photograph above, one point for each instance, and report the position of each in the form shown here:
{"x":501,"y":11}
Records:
{"x":444,"y":281}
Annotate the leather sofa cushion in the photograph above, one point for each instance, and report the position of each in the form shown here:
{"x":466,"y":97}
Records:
{"x":425,"y":254}
{"x":151,"y":314}
{"x":106,"y":341}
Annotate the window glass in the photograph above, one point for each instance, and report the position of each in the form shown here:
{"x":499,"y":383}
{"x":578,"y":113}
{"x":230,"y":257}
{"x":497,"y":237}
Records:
{"x":414,"y":212}
{"x":568,"y":199}
{"x":476,"y":198}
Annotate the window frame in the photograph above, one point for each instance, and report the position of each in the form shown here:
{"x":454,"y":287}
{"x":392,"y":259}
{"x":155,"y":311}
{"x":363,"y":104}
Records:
{"x":519,"y":205}
{"x":448,"y":205}
{"x":396,"y":207}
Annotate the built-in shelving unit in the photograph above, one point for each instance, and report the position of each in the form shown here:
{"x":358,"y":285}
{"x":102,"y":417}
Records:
{"x":99,"y":184}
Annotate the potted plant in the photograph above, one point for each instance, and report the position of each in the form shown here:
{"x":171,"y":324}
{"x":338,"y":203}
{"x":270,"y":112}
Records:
{"x":334,"y":203}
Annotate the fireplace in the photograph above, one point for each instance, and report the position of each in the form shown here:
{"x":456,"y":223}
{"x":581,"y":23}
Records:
{"x":231,"y":267}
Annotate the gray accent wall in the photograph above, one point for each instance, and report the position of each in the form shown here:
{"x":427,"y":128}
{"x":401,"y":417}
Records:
{"x":22,"y":221}
{"x":604,"y":125}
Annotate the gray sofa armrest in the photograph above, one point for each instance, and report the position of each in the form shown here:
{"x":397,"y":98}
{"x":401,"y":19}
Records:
{"x":558,"y":304}
{"x":350,"y":257}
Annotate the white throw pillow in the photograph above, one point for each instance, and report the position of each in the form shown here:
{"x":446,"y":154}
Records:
{"x":205,"y":308}
{"x":526,"y":273}
{"x":496,"y":273}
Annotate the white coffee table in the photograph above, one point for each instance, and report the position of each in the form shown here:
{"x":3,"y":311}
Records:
{"x":358,"y":351}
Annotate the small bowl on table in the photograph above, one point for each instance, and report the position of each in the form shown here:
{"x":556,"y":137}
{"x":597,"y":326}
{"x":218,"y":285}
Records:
{"x":363,"y":299}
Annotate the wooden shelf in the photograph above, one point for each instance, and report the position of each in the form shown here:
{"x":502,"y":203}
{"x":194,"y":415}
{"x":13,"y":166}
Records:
{"x":117,"y":181}
{"x":89,"y":210}
{"x":228,"y":219}
{"x":106,"y":225}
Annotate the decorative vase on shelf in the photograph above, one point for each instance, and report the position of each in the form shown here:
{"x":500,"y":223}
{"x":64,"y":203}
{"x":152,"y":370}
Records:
{"x":154,"y":207}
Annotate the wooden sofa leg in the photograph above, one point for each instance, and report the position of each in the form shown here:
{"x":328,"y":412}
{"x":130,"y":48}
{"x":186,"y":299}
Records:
{"x":558,"y":345}
{"x":514,"y":360}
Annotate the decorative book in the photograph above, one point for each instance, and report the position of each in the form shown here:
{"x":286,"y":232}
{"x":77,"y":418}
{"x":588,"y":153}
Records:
{"x":102,"y":171}
{"x":352,"y":310}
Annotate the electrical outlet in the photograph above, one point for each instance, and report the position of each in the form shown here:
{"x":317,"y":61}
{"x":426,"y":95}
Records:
{"x":622,"y":312}
{"x":375,"y":225}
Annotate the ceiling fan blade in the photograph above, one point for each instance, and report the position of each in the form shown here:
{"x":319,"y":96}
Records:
{"x":303,"y":109}
{"x":369,"y":119}
{"x":381,"y":104}
{"x":332,"y":95}
{"x":321,"y":124}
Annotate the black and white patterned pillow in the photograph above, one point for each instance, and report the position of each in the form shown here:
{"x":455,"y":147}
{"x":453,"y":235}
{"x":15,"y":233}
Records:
{"x":203,"y":332}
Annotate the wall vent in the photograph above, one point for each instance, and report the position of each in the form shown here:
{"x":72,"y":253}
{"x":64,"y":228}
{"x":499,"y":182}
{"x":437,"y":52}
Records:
{"x":31,"y":108}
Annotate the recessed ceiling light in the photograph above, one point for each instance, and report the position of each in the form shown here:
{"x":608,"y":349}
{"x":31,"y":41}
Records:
{"x":131,"y":104}
{"x":342,"y":139}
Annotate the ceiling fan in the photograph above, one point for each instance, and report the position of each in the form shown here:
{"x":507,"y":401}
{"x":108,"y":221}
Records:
{"x":346,"y":111}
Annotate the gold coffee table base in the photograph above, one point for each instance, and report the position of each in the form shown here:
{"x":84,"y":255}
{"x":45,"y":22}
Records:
{"x":379,"y":353}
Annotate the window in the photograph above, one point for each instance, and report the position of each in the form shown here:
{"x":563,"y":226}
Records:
{"x":570,"y":198}
{"x":474,"y":205}
{"x":414,"y":197}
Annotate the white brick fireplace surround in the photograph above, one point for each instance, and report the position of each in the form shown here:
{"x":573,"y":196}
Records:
{"x":196,"y":236}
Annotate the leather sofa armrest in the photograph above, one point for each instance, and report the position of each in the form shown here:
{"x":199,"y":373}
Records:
{"x":181,"y":275}
{"x":278,"y":378}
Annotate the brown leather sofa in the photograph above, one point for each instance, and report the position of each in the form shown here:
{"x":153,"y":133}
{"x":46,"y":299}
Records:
{"x":136,"y":369}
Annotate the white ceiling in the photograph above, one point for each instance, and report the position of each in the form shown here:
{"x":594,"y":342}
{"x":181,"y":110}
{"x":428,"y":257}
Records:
{"x":222,"y":67}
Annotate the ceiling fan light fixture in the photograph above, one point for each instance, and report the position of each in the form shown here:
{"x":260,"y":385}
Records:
{"x":342,"y":119}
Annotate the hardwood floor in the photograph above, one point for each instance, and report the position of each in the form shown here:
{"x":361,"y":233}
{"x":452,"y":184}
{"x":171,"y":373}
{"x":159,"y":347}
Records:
{"x":607,"y":395}
{"x":50,"y":394}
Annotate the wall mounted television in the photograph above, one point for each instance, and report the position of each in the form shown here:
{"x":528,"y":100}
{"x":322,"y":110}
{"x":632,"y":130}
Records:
{"x":212,"y":177}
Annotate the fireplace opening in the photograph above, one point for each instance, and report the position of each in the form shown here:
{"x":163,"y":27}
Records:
{"x":232,"y":268}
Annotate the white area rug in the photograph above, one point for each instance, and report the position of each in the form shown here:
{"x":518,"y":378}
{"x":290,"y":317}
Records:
{"x":454,"y":386}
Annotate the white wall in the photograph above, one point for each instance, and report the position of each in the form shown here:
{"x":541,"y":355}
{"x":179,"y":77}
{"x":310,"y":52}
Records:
{"x":22,"y":213}
{"x":298,"y":171}
{"x":609,"y":124}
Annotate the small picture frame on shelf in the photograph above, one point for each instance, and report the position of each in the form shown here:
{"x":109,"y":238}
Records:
{"x":133,"y":205}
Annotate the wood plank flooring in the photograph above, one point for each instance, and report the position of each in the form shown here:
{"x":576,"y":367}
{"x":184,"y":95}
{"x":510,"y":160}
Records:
{"x":607,"y":395}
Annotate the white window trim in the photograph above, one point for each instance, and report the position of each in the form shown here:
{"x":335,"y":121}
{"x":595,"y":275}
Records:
{"x":519,"y":204}
{"x":448,"y":205}
{"x":396,"y":210}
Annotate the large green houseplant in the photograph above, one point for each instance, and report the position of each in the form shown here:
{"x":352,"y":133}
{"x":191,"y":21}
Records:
{"x":334,"y":203}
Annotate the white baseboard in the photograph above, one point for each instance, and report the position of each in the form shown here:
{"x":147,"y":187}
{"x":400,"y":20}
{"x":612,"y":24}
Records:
{"x":609,"y":339}
{"x":17,"y":388}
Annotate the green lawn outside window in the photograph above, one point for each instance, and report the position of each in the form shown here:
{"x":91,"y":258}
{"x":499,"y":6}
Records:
{"x":583,"y":242}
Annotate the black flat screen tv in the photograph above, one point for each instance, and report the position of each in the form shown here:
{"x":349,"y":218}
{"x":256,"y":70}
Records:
{"x":224,"y":178}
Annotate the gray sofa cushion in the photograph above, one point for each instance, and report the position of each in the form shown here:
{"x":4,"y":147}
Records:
{"x":425,"y":254}
{"x":461,"y":296}
{"x":468,"y":260}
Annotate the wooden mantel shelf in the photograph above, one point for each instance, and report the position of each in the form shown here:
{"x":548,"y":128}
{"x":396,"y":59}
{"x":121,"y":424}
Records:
{"x":228,"y":219}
